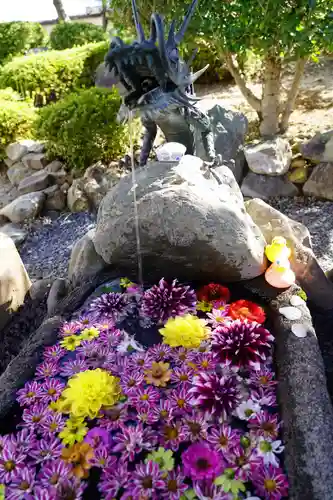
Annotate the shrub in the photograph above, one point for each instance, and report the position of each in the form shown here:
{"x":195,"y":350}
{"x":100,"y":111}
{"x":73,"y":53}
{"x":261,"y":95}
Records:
{"x":82,"y":129}
{"x":16,"y":119}
{"x":55,"y":73}
{"x":68,"y":35}
{"x":17,"y":37}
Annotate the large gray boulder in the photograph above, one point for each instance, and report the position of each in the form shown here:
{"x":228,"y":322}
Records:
{"x":271,"y":157}
{"x":267,"y":186}
{"x":85,"y":263}
{"x":192,"y":225}
{"x":17,"y":150}
{"x":35,"y":182}
{"x":15,"y":232}
{"x":319,"y":148}
{"x":17,"y":172}
{"x":77,"y":199}
{"x":97,"y":181}
{"x":320,"y":182}
{"x":25,"y":207}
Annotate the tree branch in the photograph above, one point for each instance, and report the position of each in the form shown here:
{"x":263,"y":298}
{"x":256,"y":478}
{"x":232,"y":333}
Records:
{"x":292,"y":94}
{"x":247,"y":93}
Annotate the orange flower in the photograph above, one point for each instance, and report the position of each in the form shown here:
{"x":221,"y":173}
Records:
{"x":245,"y":309}
{"x":79,"y":455}
{"x":213,"y":292}
{"x":159,"y":374}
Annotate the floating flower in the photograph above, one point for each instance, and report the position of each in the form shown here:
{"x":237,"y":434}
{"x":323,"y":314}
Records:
{"x":268,"y":449}
{"x":146,"y":415}
{"x":147,"y":479}
{"x":46,"y":449}
{"x":160,"y":352}
{"x":144,"y":396}
{"x":54,"y":353}
{"x":11,"y":460}
{"x":71,"y":343}
{"x":89,"y":333}
{"x":97,"y":436}
{"x":164,"y":411}
{"x":130,"y":381}
{"x":102,"y":458}
{"x":131,"y":440}
{"x":213,"y":292}
{"x":246,"y":409}
{"x":215,"y":394}
{"x":243,"y":343}
{"x":264,"y":377}
{"x":74,"y":431}
{"x":224,"y":438}
{"x":87,"y":392}
{"x":196,"y":427}
{"x":218,"y":316}
{"x":114,"y":417}
{"x":264,"y":424}
{"x":72,"y":367}
{"x":34,"y":416}
{"x":140,"y":360}
{"x":202,"y":361}
{"x":179,"y":399}
{"x":22,"y":441}
{"x":172,"y":434}
{"x":69,"y":328}
{"x":158,"y":374}
{"x":209,"y":491}
{"x":187,"y":331}
{"x":70,"y":488}
{"x":180,"y":355}
{"x":244,"y":309}
{"x":79,"y":456}
{"x":113,"y":480}
{"x":174,"y":485}
{"x":109,"y":304}
{"x":53,"y":471}
{"x":204,"y":306}
{"x":269,"y":482}
{"x":30,"y":394}
{"x":164,"y":301}
{"x":264,"y":397}
{"x":47,"y":369}
{"x":240,"y":459}
{"x":51,"y":390}
{"x":53,"y":423}
{"x":201,"y":461}
{"x":162,"y":457}
{"x":182,"y":375}
{"x":22,"y":484}
{"x":128,"y":344}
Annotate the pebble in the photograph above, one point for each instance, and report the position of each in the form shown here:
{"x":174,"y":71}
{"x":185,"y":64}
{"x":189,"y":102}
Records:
{"x":291,"y":313}
{"x":299,"y":330}
{"x":296,"y":300}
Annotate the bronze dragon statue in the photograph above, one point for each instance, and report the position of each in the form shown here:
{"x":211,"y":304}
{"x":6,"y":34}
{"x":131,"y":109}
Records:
{"x":158,"y":86}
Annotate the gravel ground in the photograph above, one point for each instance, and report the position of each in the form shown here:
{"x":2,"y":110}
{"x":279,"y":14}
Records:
{"x":317,"y":216}
{"x":48,"y":246}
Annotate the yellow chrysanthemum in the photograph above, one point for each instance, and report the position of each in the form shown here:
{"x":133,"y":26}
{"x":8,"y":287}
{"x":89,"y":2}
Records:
{"x":74,"y":431}
{"x":89,"y":333}
{"x":71,"y":343}
{"x":87,"y":392}
{"x":204,"y":306}
{"x":186,"y":331}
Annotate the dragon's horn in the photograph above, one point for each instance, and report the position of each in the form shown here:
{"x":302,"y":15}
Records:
{"x":171,"y":38}
{"x":192,"y":78}
{"x":186,"y":22}
{"x":138,"y":25}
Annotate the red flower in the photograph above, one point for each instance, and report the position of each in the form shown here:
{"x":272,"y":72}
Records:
{"x":244,"y":309}
{"x":213,"y":292}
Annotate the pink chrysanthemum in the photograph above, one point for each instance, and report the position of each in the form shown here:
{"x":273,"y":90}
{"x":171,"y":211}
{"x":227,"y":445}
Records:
{"x":174,"y":485}
{"x":54,"y":353}
{"x":201,"y":461}
{"x":11,"y":460}
{"x":218,"y":316}
{"x":69,"y":328}
{"x":264,"y":377}
{"x":180,"y":355}
{"x":109,"y":305}
{"x":164,"y":411}
{"x":22,"y":484}
{"x":46,"y":449}
{"x":182,"y":375}
{"x":239,"y":460}
{"x":102,"y":458}
{"x":218,"y":394}
{"x":264,"y":396}
{"x":269,"y":482}
{"x":172,"y":434}
{"x":203,"y":361}
{"x":73,"y":366}
{"x":180,"y":401}
{"x":245,"y":343}
{"x":115,"y":417}
{"x":144,"y":396}
{"x":164,"y":301}
{"x":52,"y":424}
{"x":140,"y":360}
{"x":147,"y":479}
{"x":30,"y":393}
{"x":196,"y":427}
{"x":146,"y":415}
{"x":224,"y":438}
{"x":132,"y":440}
{"x":52,"y":389}
{"x":113,"y":480}
{"x":53,"y":471}
{"x":160,"y":352}
{"x":34,"y":416}
{"x":47,"y":369}
{"x":264,"y":424}
{"x":131,"y":381}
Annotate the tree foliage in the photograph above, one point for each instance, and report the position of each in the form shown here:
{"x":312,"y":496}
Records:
{"x":18,"y":37}
{"x":68,"y":35}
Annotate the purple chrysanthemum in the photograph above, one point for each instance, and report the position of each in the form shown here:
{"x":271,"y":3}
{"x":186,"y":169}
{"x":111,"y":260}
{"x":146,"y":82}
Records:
{"x":164,"y":301}
{"x":245,"y":343}
{"x":52,"y":424}
{"x":30,"y":393}
{"x":141,"y":360}
{"x":269,"y":482}
{"x":264,"y":377}
{"x":69,"y":328}
{"x":97,"y":437}
{"x":109,"y":338}
{"x":11,"y":459}
{"x":180,"y":355}
{"x":47,"y":369}
{"x":219,"y":394}
{"x":196,"y":427}
{"x":182,"y":375}
{"x":209,"y":491}
{"x":54,"y":353}
{"x":180,"y":400}
{"x":132,"y":440}
{"x":264,"y":396}
{"x":22,"y":441}
{"x":34,"y":416}
{"x":102,"y":458}
{"x":44,"y":493}
{"x":264,"y":424}
{"x":53,"y":471}
{"x":144,"y":396}
{"x":240,"y":460}
{"x":172,"y":434}
{"x":70,"y":488}
{"x":204,"y":361}
{"x":51,"y":390}
{"x":164,"y":411}
{"x":131,"y":381}
{"x":114,"y":418}
{"x":22,"y":484}
{"x":46,"y":449}
{"x":113,"y":480}
{"x":100,"y":357}
{"x":73,"y":366}
{"x":224,"y":438}
{"x":146,"y":480}
{"x":202,"y":462}
{"x":160,"y":352}
{"x":109,"y":305}
{"x":146,"y":415}
{"x":174,"y":485}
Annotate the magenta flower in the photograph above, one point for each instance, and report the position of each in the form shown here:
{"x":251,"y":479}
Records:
{"x":11,"y":459}
{"x":131,"y":381}
{"x":114,"y":418}
{"x":69,"y":328}
{"x":22,"y":441}
{"x":52,"y":472}
{"x":44,"y":493}
{"x":172,"y":434}
{"x":52,"y":424}
{"x":70,"y":488}
{"x":97,"y":437}
{"x":264,"y":424}
{"x":245,"y":343}
{"x":47,"y":369}
{"x":147,"y":479}
{"x":209,"y":491}
{"x":144,"y":396}
{"x":54,"y":353}
{"x":72,"y":367}
{"x":264,"y":396}
{"x":224,"y":438}
{"x":109,"y":305}
{"x":182,"y":375}
{"x":196,"y":427}
{"x":216,"y":394}
{"x":46,"y":449}
{"x":218,"y":316}
{"x":164,"y":411}
{"x":52,"y":389}
{"x":263,"y":378}
{"x":23,"y":483}
{"x":146,"y":415}
{"x":201,"y":461}
{"x":34,"y":416}
{"x":174,"y":485}
{"x":102,"y":458}
{"x":141,"y":360}
{"x":132,"y":440}
{"x":240,"y":459}
{"x":113,"y":480}
{"x":204,"y":361}
{"x":160,"y":352}
{"x":180,"y":400}
{"x":269,"y":482}
{"x":30,"y":393}
{"x":180,"y":355}
{"x":109,"y":338}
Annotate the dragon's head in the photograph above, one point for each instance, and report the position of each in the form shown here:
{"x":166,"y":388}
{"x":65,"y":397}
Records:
{"x":151,"y":72}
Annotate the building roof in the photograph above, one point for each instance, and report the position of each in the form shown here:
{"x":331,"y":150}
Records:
{"x":74,"y":18}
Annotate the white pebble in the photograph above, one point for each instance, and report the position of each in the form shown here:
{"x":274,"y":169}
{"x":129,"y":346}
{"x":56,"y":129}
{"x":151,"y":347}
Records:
{"x":299,"y":330}
{"x":296,"y":300}
{"x":290,"y":313}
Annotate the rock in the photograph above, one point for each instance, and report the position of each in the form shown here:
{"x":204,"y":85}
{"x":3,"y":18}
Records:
{"x":272,"y":223}
{"x":77,"y":200}
{"x":97,"y":181}
{"x":320,"y":182}
{"x":36,"y":161}
{"x":190,"y":226}
{"x":319,"y":148}
{"x":230,"y":128}
{"x":54,"y":166}
{"x":15,"y":232}
{"x":40,"y":289}
{"x":58,"y":291}
{"x":85,"y":262}
{"x":271,"y":157}
{"x":17,"y":172}
{"x":55,"y":199}
{"x":61,"y":176}
{"x":8,"y":162}
{"x":24,"y":207}
{"x":65,"y":187}
{"x":18,"y":149}
{"x":298,"y":175}
{"x":35,"y":182}
{"x":14,"y":280}
{"x":298,"y":162}
{"x":267,"y":186}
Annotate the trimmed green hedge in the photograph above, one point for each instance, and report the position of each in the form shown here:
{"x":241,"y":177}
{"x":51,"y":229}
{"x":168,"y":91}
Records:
{"x":69,"y":35}
{"x":53,"y":74}
{"x":82,"y":129}
{"x":16,"y":119}
{"x":17,"y":37}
